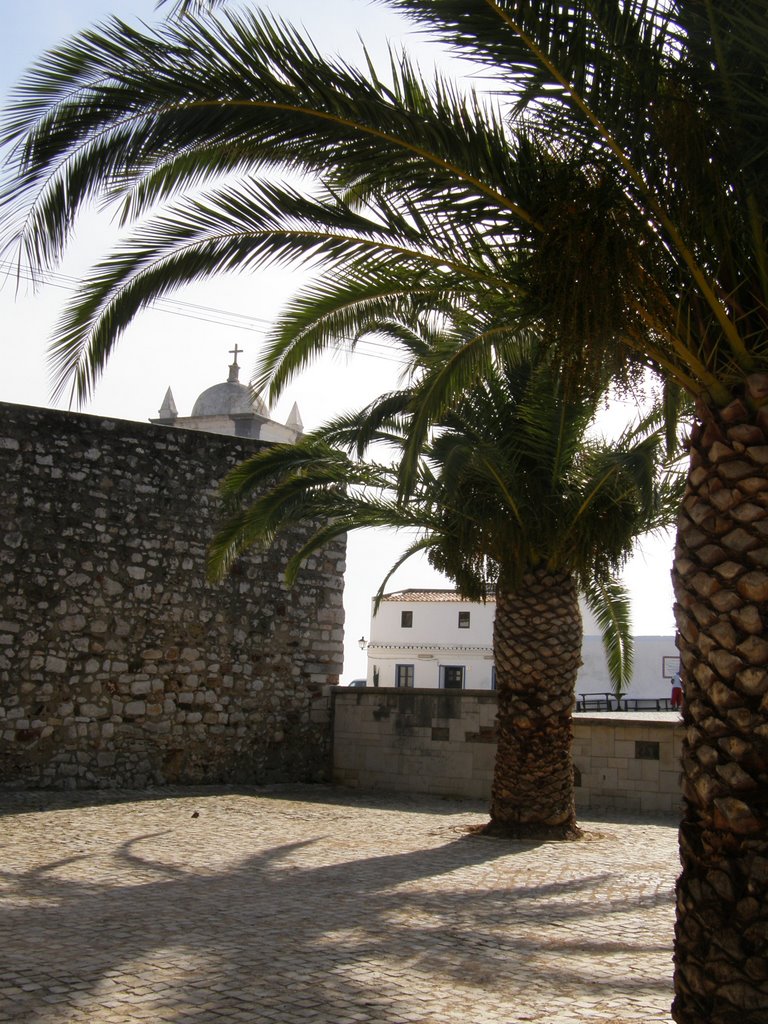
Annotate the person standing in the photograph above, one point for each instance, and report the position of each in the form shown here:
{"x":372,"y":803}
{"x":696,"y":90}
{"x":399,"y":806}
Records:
{"x":677,"y":691}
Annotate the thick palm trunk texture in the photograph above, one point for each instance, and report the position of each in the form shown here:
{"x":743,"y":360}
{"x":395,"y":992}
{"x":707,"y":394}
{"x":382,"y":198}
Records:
{"x":721,"y":590}
{"x":537,"y":648}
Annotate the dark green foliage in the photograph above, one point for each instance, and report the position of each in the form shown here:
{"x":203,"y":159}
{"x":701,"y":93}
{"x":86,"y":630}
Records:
{"x":509,"y":483}
{"x":608,"y":192}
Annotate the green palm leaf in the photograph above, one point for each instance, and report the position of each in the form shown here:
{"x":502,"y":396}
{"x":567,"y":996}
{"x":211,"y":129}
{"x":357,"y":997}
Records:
{"x":609,"y":602}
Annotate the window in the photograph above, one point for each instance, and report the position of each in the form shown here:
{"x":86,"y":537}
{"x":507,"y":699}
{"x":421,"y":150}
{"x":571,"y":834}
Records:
{"x":493,"y":677}
{"x":647,"y":750}
{"x":452,"y":677}
{"x":463,"y":620}
{"x":404,"y":675}
{"x":406,"y":620}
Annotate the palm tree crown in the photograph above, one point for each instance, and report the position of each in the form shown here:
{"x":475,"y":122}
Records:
{"x":509,"y":483}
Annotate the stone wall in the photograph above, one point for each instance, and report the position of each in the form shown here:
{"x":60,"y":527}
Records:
{"x":119,"y":664}
{"x":443,"y":742}
{"x":415,"y":740}
{"x":628,"y":762}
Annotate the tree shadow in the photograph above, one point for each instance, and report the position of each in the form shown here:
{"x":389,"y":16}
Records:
{"x":281,"y":930}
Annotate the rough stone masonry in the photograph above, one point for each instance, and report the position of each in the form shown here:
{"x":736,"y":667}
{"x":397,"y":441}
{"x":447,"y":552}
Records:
{"x":119,"y":664}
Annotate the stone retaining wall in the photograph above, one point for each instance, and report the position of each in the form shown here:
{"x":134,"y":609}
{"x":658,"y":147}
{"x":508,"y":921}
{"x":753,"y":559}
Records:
{"x":443,"y":742}
{"x":119,"y":664}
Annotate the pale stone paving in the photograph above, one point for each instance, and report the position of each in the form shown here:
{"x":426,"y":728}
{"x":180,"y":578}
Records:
{"x":310,"y":905}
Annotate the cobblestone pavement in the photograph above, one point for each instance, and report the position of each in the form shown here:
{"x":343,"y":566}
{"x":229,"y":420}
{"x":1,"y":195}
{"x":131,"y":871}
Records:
{"x":309,"y":905}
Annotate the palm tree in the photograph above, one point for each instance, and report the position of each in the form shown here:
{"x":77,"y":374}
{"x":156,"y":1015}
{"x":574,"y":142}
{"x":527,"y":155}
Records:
{"x":610,"y":189}
{"x":510,"y":496}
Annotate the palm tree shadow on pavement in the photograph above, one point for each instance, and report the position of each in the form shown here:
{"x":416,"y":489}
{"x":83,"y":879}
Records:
{"x":300,"y":923}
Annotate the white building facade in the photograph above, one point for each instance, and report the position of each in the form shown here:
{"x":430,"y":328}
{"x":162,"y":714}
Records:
{"x":432,"y":638}
{"x":437,"y":639}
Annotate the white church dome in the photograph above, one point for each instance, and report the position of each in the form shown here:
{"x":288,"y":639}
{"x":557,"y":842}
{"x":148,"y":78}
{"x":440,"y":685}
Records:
{"x":228,"y":399}
{"x":230,"y":408}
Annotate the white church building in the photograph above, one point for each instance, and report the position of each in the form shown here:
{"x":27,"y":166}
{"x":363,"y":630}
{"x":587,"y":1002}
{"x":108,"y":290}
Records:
{"x":437,"y":639}
{"x":230,"y":408}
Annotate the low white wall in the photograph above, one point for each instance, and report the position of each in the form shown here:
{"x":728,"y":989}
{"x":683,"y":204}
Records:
{"x":443,"y":742}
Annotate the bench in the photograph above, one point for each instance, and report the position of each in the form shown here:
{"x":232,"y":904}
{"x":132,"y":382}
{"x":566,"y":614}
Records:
{"x":596,"y":702}
{"x":648,"y":704}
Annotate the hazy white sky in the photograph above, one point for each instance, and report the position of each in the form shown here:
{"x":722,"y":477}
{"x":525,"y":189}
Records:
{"x":186,"y":342}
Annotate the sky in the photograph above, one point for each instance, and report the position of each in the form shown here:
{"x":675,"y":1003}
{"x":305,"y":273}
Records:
{"x":185,"y":341}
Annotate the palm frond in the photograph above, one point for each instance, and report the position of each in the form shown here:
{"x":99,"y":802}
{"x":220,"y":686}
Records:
{"x":182,"y":7}
{"x":236,"y":229}
{"x":423,"y":544}
{"x":608,"y":189}
{"x":609,"y":602}
{"x":116,"y":105}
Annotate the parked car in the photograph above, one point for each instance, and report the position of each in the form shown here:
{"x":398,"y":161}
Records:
{"x":358,"y":682}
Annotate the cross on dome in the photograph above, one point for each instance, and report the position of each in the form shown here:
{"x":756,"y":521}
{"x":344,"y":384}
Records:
{"x":234,"y":369}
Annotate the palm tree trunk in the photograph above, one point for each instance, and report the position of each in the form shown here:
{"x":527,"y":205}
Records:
{"x":537,"y":648}
{"x":721,"y":591}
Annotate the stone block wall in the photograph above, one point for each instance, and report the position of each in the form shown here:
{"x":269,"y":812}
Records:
{"x":443,"y":742}
{"x":628,"y":762}
{"x":416,"y":740}
{"x":119,"y":664}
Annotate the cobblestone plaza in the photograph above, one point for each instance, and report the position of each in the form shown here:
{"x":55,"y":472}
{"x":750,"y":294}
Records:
{"x":314,"y":905}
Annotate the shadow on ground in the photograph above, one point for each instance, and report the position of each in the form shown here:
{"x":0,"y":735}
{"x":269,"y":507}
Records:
{"x":278,"y":932}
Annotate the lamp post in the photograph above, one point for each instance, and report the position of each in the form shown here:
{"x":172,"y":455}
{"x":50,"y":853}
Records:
{"x":362,"y":643}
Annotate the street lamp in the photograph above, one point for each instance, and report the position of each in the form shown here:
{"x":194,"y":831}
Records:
{"x":362,"y":643}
